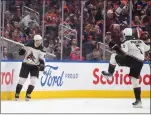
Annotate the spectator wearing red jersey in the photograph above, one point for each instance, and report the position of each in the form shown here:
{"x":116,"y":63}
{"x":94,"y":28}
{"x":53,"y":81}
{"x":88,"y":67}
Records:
{"x":75,"y":55}
{"x":51,"y":17}
{"x":51,"y":21}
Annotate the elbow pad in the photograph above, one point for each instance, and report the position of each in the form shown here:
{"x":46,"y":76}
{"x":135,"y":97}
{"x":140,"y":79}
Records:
{"x":118,"y":50}
{"x":22,"y":51}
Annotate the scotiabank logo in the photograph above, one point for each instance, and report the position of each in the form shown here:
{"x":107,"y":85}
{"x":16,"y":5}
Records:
{"x":7,"y":77}
{"x":119,"y":78}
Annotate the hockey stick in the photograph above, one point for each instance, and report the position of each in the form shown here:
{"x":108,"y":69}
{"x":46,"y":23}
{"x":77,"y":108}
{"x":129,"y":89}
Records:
{"x":6,"y":39}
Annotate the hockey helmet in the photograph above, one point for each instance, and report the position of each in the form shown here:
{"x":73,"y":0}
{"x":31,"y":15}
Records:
{"x":37,"y":40}
{"x":37,"y":37}
{"x":127,"y":32}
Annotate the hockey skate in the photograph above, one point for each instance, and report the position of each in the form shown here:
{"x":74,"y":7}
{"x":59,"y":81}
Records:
{"x":137,"y":104}
{"x":28,"y":97}
{"x":16,"y":97}
{"x":107,"y":75}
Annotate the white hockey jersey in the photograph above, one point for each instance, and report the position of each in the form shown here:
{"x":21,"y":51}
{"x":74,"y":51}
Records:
{"x":33,"y":55}
{"x":135,"y":48}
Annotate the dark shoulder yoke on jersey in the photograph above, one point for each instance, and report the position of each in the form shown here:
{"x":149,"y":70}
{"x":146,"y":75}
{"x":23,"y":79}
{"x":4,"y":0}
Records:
{"x":127,"y":39}
{"x":31,"y":44}
{"x":118,"y":49}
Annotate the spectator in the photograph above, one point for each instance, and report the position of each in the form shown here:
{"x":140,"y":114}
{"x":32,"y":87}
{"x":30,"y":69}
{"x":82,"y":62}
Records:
{"x":88,"y":47}
{"x":6,"y":55}
{"x":115,"y":30}
{"x":137,"y":21}
{"x":28,"y":22}
{"x":57,"y":49}
{"x":75,"y":55}
{"x":110,"y":19}
{"x":117,"y":18}
{"x":95,"y":55}
{"x":108,"y":37}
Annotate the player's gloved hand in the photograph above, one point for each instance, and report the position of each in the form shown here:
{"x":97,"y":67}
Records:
{"x":116,"y":47}
{"x":111,"y":44}
{"x":22,"y":51}
{"x":41,"y":67}
{"x":118,"y":50}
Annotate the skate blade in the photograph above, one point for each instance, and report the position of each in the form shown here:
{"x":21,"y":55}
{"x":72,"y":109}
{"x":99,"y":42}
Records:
{"x":16,"y":99}
{"x":106,"y":77}
{"x":137,"y":106}
{"x":27,"y":99}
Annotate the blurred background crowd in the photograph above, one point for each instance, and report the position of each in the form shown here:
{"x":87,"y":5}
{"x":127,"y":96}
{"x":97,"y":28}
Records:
{"x":21,"y":24}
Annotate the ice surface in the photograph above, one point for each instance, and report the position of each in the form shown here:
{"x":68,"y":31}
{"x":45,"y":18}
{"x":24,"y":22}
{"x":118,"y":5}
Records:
{"x":101,"y":105}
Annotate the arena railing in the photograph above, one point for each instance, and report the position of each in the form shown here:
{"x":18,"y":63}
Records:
{"x":13,"y":47}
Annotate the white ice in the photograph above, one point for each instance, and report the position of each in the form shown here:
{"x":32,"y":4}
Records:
{"x":101,"y":105}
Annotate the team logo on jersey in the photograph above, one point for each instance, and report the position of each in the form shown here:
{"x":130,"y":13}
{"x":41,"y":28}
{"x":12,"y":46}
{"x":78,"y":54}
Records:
{"x":31,"y":57}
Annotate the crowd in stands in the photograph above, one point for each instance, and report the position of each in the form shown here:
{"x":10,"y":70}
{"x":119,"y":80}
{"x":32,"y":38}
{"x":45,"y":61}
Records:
{"x":21,"y":29}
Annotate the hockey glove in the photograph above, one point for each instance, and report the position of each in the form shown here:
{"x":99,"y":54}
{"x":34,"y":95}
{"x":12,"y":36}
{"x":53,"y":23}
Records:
{"x":41,"y":67}
{"x":22,"y":51}
{"x":115,"y":47}
{"x":118,"y":49}
{"x":111,"y":44}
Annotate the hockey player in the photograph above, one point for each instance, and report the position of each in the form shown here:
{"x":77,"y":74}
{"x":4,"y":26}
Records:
{"x":33,"y":63}
{"x":131,"y":54}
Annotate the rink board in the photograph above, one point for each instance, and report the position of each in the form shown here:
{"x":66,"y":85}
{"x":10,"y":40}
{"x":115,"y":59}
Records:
{"x":76,"y":94}
{"x":74,"y":80}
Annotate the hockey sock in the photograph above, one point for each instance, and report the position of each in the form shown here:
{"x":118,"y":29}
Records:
{"x":18,"y":88}
{"x":30,"y":89}
{"x":111,"y":68}
{"x":137,"y":93}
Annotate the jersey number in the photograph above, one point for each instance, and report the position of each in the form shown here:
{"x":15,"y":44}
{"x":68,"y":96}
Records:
{"x":139,"y":48}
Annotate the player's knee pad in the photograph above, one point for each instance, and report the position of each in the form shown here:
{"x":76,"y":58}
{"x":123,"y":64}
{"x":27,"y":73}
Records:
{"x":135,"y":82}
{"x":120,"y":59}
{"x":33,"y":80}
{"x":112,"y":59}
{"x":22,"y":81}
